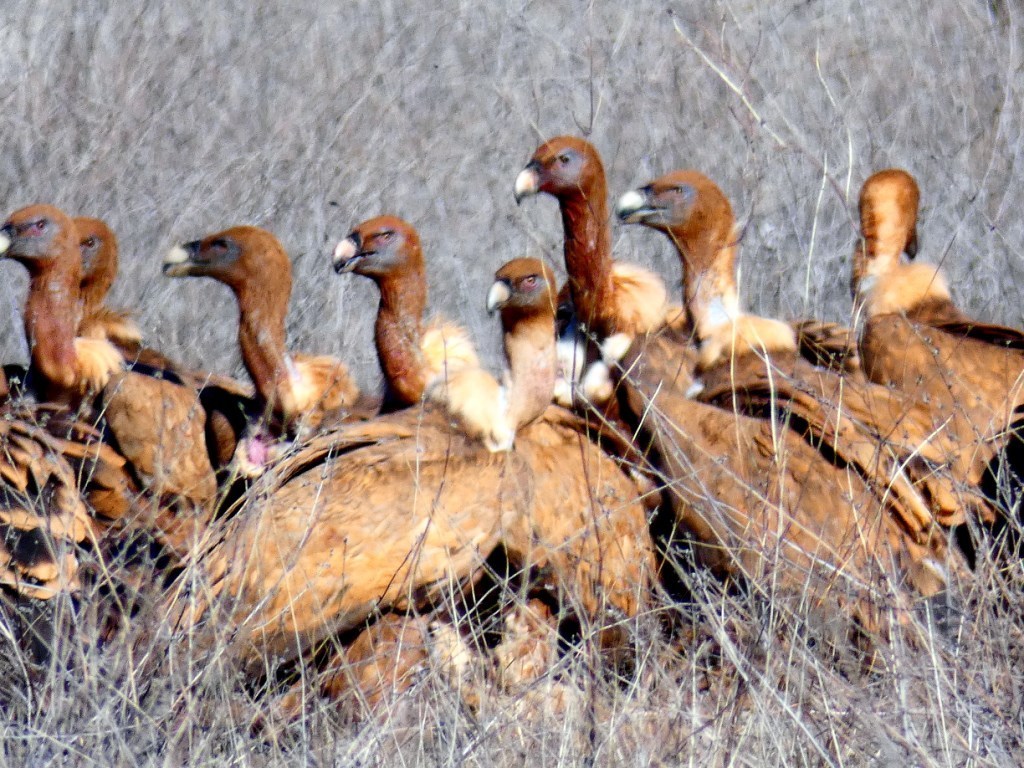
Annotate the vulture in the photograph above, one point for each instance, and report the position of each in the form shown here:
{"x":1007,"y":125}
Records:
{"x":914,"y":339}
{"x":412,"y":355}
{"x":754,"y":363}
{"x":395,"y":512}
{"x":294,"y":392}
{"x":613,"y":301}
{"x":67,"y":366}
{"x":155,"y":424}
{"x":561,"y":533}
{"x":98,"y":246}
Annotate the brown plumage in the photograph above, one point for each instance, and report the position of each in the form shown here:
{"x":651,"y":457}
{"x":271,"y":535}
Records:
{"x":369,"y":674}
{"x":610,"y":300}
{"x":758,"y":502}
{"x":915,"y":339}
{"x":412,"y":355}
{"x":754,"y":363}
{"x":587,"y":524}
{"x":152,"y":422}
{"x":43,"y":518}
{"x":819,"y":477}
{"x":99,"y":268}
{"x":396,"y":511}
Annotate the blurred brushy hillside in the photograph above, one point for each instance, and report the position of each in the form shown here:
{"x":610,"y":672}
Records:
{"x":175,"y":119}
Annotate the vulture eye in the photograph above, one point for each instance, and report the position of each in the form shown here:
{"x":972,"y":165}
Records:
{"x":90,"y":242}
{"x":38,"y":226}
{"x":529,"y":282}
{"x":219,"y":245}
{"x":563,"y":159}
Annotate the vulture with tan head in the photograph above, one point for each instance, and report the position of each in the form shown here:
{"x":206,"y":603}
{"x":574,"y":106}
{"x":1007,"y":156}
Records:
{"x":412,"y":355}
{"x":754,"y":363}
{"x":611,"y":301}
{"x":915,"y":339}
{"x":295,"y":393}
{"x":155,"y":424}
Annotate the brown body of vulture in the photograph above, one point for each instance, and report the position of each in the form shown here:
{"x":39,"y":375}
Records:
{"x":396,"y":512}
{"x":914,"y":339}
{"x":412,"y":355}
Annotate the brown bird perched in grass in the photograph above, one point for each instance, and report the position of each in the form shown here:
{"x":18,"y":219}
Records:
{"x":412,"y":354}
{"x":754,"y":363}
{"x":612,"y":300}
{"x":915,"y":339}
{"x":587,"y":525}
{"x":295,"y":393}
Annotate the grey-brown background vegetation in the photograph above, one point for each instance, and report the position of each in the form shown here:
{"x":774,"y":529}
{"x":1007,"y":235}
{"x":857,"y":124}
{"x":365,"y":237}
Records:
{"x":174,"y":119}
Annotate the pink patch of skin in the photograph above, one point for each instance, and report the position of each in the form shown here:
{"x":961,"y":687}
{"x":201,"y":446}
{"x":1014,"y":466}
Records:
{"x":258,"y":450}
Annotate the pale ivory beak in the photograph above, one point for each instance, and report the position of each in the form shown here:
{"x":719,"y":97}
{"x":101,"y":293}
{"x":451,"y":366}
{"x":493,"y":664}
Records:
{"x":5,"y":243}
{"x":527,"y":183}
{"x":345,"y":253}
{"x":498,"y":296}
{"x":629,"y":205}
{"x":175,"y":261}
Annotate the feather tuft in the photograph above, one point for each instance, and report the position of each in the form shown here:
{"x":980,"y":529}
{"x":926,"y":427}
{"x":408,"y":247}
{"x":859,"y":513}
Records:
{"x":479,"y":404}
{"x":641,"y":299}
{"x":98,"y":360}
{"x":446,"y":348}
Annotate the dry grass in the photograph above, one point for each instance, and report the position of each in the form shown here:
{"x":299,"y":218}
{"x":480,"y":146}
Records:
{"x":173,"y":119}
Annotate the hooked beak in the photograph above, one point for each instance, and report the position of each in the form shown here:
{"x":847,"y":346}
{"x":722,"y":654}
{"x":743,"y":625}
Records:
{"x":527,"y":182}
{"x":346,"y":254}
{"x":498,"y":296}
{"x":178,"y":260}
{"x":633,"y":207}
{"x":5,"y":239}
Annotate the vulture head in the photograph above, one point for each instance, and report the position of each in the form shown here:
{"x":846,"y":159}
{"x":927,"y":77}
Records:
{"x":40,"y":236}
{"x":379,"y":247}
{"x":523,"y":287}
{"x":98,"y":247}
{"x":888,"y":214}
{"x":239,"y":257}
{"x":686,"y":205}
{"x":565,"y":167}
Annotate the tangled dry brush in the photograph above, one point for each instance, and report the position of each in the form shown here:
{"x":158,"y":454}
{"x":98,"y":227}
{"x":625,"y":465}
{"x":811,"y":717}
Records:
{"x":174,"y":119}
